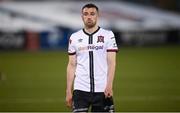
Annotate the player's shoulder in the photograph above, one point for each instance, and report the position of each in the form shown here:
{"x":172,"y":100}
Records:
{"x":106,"y":31}
{"x":77,"y":33}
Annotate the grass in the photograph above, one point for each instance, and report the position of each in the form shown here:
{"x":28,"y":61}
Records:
{"x":147,"y":79}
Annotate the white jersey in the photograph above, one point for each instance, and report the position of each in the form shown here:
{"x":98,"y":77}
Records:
{"x":91,"y":52}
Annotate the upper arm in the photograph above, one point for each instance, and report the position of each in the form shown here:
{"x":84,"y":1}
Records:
{"x":111,"y":48}
{"x":111,"y":43}
{"x":72,"y":60}
{"x":71,"y":46}
{"x":111,"y":57}
{"x":72,"y":51}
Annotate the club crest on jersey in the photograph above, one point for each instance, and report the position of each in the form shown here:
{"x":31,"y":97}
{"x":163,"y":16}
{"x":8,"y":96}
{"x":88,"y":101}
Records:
{"x":100,"y":39}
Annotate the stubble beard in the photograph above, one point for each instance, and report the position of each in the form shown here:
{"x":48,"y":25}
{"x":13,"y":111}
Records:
{"x":90,"y":25}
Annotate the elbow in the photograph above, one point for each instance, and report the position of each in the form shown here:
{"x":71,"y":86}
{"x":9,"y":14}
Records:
{"x":72,"y":64}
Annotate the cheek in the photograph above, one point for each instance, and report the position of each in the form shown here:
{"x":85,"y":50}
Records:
{"x":83,"y":19}
{"x":95,"y":18}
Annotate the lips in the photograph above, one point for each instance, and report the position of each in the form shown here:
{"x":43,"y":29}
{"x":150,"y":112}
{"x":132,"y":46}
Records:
{"x":89,"y":21}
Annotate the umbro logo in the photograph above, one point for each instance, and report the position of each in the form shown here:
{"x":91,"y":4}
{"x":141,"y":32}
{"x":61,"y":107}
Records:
{"x":80,"y":40}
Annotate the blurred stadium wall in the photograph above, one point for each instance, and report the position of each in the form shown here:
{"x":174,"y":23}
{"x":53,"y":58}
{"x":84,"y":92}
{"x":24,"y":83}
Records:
{"x":42,"y":24}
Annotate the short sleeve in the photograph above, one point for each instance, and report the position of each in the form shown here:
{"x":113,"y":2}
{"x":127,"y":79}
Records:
{"x":111,"y":44}
{"x":71,"y":47}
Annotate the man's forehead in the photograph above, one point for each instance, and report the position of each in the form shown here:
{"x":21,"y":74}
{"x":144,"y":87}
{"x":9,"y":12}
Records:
{"x":89,"y":9}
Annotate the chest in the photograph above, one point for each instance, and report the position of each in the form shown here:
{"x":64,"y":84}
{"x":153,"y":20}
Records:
{"x":95,"y":43}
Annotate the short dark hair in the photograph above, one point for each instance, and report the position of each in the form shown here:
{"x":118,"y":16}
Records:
{"x":90,"y":5}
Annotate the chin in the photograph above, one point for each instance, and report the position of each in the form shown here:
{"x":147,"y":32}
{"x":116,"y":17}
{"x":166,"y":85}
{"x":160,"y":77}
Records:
{"x":90,"y":26}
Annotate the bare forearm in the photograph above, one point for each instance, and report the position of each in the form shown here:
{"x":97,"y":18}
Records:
{"x":111,"y":68}
{"x":70,"y":77}
{"x":111,"y":73}
{"x":111,"y":57}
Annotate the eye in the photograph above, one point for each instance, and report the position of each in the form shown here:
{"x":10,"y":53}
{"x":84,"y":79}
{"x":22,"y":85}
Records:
{"x":92,"y":13}
{"x":85,"y":13}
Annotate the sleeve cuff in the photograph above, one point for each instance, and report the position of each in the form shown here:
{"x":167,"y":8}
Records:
{"x":112,"y":50}
{"x":72,"y":53}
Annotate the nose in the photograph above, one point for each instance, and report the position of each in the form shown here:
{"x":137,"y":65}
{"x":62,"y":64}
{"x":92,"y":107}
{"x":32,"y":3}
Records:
{"x":89,"y":16}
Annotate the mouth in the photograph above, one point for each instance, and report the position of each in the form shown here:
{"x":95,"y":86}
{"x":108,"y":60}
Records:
{"x":89,"y":21}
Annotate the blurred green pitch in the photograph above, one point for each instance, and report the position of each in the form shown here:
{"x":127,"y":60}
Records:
{"x":147,"y":79}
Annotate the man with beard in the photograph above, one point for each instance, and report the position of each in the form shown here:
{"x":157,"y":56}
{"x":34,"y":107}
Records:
{"x":91,"y":67}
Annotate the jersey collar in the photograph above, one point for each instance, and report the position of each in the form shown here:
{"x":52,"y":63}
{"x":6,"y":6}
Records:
{"x":91,"y":33}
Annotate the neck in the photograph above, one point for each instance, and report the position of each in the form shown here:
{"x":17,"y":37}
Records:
{"x":91,"y":30}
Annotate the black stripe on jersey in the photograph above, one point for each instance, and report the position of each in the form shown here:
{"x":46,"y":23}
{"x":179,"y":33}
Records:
{"x":90,"y":39}
{"x":91,"y":66}
{"x":91,"y":60}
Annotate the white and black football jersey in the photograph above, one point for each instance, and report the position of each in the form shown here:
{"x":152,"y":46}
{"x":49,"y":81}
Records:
{"x":91,"y":52}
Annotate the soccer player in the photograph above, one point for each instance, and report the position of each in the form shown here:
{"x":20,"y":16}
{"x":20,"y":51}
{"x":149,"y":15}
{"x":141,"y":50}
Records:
{"x":91,"y":67}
